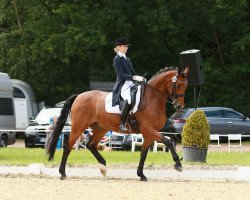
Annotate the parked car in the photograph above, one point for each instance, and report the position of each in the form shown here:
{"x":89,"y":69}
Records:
{"x":35,"y":134}
{"x":222,"y":120}
{"x":168,"y":127}
{"x":7,"y":138}
{"x":127,"y":143}
{"x":118,"y":141}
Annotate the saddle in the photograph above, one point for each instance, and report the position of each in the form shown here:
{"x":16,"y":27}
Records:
{"x":131,"y":119}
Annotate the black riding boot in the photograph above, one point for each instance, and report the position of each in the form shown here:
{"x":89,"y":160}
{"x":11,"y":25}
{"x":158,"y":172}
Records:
{"x":125,"y":110}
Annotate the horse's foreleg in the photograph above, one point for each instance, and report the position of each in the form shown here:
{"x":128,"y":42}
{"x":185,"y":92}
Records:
{"x":143,"y":157}
{"x":176,"y":158}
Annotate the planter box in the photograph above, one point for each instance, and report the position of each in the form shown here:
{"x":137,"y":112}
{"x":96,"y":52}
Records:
{"x":194,"y":154}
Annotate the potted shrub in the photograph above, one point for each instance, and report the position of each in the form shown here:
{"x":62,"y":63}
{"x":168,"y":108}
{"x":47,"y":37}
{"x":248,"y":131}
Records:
{"x":196,"y":137}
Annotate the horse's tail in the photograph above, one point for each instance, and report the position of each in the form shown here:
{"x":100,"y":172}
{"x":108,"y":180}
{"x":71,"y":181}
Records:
{"x":59,"y":126}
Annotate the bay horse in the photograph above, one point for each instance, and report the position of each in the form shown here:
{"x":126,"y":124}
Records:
{"x":88,"y":110}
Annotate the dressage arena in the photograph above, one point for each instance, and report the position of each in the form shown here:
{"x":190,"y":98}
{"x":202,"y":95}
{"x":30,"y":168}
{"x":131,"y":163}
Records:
{"x":15,"y":187}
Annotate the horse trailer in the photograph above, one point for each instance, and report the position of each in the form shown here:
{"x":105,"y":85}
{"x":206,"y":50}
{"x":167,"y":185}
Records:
{"x":24,"y":103}
{"x":7,"y":112}
{"x":17,"y":106}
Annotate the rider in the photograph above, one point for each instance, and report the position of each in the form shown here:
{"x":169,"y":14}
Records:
{"x":124,"y":72}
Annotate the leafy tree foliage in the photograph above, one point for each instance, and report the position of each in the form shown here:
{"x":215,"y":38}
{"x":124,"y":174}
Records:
{"x":58,"y":46}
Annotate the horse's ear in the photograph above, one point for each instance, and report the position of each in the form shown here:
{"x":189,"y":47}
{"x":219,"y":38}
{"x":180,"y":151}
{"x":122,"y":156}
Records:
{"x":186,"y":71}
{"x":179,"y":70}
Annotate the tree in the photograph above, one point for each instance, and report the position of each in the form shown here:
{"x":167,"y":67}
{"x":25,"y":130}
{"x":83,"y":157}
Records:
{"x":58,"y":46}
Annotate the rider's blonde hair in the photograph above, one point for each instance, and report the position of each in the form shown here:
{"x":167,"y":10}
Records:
{"x":116,"y":50}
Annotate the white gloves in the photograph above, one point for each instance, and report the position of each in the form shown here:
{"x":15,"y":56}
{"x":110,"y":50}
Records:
{"x":139,"y":78}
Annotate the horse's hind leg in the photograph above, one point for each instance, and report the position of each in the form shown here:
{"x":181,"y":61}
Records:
{"x":66,"y":152}
{"x":74,"y":135}
{"x":98,"y":134}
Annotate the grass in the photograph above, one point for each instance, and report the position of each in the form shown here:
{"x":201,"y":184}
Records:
{"x":26,"y":156}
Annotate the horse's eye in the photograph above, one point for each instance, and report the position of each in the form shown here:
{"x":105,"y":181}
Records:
{"x":178,"y":86}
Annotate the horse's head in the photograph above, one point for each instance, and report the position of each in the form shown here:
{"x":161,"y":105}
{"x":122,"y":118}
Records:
{"x":177,"y":88}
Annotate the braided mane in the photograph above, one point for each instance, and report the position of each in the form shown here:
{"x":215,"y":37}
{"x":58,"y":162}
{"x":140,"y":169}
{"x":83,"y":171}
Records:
{"x":164,"y":70}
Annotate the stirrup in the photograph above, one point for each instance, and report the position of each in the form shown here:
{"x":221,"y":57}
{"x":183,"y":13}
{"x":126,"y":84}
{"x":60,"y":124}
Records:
{"x":123,"y":128}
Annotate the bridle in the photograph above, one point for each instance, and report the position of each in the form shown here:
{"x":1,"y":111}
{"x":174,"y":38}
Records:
{"x":173,"y":96}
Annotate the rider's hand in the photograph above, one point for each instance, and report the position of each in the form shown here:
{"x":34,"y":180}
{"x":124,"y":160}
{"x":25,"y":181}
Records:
{"x":138,"y":78}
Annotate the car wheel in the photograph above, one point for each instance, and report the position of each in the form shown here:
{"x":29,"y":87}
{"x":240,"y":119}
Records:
{"x":3,"y":141}
{"x":27,"y":145}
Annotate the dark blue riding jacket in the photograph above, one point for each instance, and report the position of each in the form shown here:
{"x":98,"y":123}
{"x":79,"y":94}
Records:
{"x":124,"y":71}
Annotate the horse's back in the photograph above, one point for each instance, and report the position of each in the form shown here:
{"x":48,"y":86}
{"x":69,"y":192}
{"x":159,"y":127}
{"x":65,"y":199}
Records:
{"x":89,"y":100}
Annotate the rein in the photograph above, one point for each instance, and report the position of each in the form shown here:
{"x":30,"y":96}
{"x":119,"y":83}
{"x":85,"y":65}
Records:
{"x":162,"y":96}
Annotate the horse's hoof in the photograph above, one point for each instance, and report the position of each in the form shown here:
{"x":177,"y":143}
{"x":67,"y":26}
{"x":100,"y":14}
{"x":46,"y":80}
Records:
{"x":63,"y":178}
{"x":178,"y":167}
{"x":103,"y":170}
{"x":144,"y":179}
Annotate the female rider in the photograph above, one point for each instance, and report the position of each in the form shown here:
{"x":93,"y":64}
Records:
{"x":124,"y":72}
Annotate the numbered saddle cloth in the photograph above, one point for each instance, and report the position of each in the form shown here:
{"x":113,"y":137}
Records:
{"x":126,"y":95}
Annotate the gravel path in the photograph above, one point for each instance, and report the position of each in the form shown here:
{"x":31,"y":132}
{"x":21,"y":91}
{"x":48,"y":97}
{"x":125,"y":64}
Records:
{"x":40,"y":187}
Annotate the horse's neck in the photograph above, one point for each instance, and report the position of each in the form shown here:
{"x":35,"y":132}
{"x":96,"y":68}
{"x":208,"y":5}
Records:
{"x":161,"y":82}
{"x":157,"y":94}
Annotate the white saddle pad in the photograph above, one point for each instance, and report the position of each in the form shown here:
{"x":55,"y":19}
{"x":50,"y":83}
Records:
{"x":125,"y":93}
